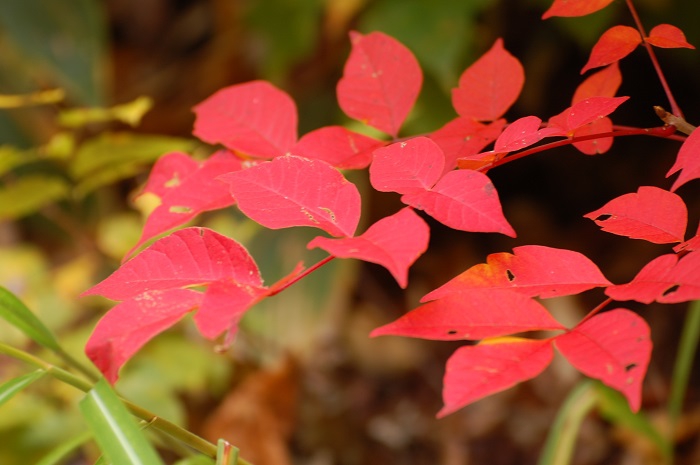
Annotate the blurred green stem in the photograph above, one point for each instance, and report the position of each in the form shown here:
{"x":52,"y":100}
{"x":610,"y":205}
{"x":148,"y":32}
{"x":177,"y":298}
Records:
{"x":559,"y":447}
{"x":153,"y":420}
{"x":683,"y":366}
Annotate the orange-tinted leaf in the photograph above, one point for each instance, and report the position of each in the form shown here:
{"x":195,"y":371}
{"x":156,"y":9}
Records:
{"x":489,"y":86}
{"x":129,"y":325}
{"x":533,"y":270}
{"x":394,"y":242}
{"x":615,"y":44}
{"x":462,"y":138}
{"x":464,"y":200}
{"x":474,"y":372}
{"x":652,"y":214}
{"x":472,"y":314}
{"x":255,"y":118}
{"x":570,"y":8}
{"x":687,"y":161}
{"x":668,"y":36}
{"x":381,"y":81}
{"x":338,"y":146}
{"x":614,"y":347}
{"x":603,"y":83}
{"x":594,"y":146}
{"x":293,"y":191}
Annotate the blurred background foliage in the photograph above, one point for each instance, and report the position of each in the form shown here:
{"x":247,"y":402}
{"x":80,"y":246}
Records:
{"x":92,"y":92}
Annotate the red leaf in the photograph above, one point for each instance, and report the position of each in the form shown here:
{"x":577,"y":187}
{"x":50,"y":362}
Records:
{"x":129,"y":325}
{"x":394,"y":242}
{"x":255,"y":118}
{"x":464,"y":137}
{"x":533,"y":270}
{"x":409,"y":166}
{"x":652,"y":214}
{"x":380,"y":82}
{"x":489,"y":86}
{"x":686,"y":280}
{"x":474,"y":372}
{"x":570,"y":8}
{"x":594,"y":146}
{"x":472,"y":314}
{"x":293,"y":191}
{"x":668,"y":36}
{"x":188,"y":257}
{"x":691,"y":244}
{"x":223,"y":305}
{"x":522,"y":133}
{"x":464,"y":200}
{"x":614,"y":347}
{"x":603,"y":83}
{"x":650,"y":283}
{"x":585,"y":112}
{"x":615,"y":44}
{"x":186,"y":188}
{"x":338,"y":146}
{"x":687,"y":161}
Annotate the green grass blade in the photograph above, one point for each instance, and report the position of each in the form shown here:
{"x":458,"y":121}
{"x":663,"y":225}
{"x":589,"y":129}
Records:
{"x":9,"y":388}
{"x":684,"y":362}
{"x":115,"y":430}
{"x":18,"y":315}
{"x":64,"y":451}
{"x":559,"y":447}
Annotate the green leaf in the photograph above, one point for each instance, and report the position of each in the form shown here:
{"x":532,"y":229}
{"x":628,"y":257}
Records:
{"x":64,"y":451}
{"x":114,"y":429}
{"x":196,"y":460}
{"x":9,"y":388}
{"x":18,"y":315}
{"x":30,"y":193}
{"x":614,"y":407}
{"x":129,"y":113}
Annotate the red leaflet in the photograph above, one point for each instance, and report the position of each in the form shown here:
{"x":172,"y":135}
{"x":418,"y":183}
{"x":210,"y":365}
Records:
{"x":293,"y":191}
{"x":665,"y":279}
{"x":464,"y":137}
{"x":652,"y":214}
{"x":474,"y":372}
{"x":687,"y":161}
{"x":615,"y":44}
{"x":464,"y":200}
{"x":338,"y":146}
{"x":650,"y":283}
{"x":255,"y":118}
{"x":691,"y":244}
{"x":380,"y":82}
{"x":569,"y":8}
{"x":614,"y":347}
{"x":472,"y":314}
{"x":594,"y":146}
{"x":668,"y":36}
{"x":129,"y":325}
{"x":224,"y":303}
{"x":394,"y":242}
{"x":405,"y":167}
{"x":603,"y":83}
{"x":522,"y":133}
{"x":584,"y":112}
{"x":188,"y":257}
{"x":533,"y":270}
{"x":489,"y":86}
{"x":186,"y":188}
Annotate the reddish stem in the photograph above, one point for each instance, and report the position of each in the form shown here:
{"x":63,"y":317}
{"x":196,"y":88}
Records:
{"x":675,"y":109}
{"x":601,"y":306}
{"x":284,"y":283}
{"x":662,"y":131}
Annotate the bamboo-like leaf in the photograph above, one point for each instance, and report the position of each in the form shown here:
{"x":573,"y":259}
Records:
{"x":115,"y":431}
{"x":9,"y":388}
{"x":18,"y":315}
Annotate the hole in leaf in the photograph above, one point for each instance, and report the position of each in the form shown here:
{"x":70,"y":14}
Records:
{"x":180,"y":209}
{"x":452,"y":332}
{"x":671,"y":290}
{"x":603,"y":217}
{"x":630,"y":366}
{"x":510,"y":275}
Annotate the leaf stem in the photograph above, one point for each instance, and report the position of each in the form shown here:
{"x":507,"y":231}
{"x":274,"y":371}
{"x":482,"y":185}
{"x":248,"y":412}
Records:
{"x":157,"y":422}
{"x":675,"y":109}
{"x":286,"y":282}
{"x":596,"y":310}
